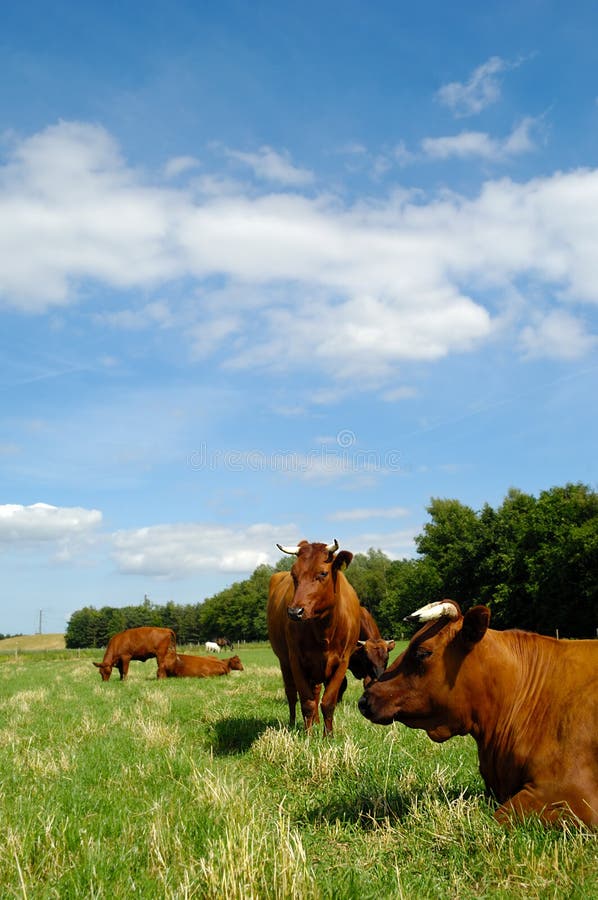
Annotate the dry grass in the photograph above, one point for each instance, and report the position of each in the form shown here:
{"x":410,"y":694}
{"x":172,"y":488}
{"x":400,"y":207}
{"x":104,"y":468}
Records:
{"x":33,"y":642}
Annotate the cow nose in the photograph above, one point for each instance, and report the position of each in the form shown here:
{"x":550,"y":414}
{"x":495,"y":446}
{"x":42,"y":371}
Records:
{"x":363,"y":705}
{"x":295,"y":613}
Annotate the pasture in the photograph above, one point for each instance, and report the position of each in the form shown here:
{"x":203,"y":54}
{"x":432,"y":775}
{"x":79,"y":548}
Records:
{"x":196,"y":788}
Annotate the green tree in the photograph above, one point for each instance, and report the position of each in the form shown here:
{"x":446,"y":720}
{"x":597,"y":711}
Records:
{"x":507,"y":547}
{"x":451,"y":542}
{"x":368,"y":575}
{"x":532,"y":560}
{"x":83,"y":629}
{"x":411,"y":583}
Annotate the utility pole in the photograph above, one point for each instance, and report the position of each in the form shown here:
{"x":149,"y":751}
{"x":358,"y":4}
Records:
{"x":40,"y":621}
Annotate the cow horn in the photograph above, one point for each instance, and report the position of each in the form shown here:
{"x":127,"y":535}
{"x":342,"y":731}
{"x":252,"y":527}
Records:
{"x":293,"y":551}
{"x":332,"y":548}
{"x":362,"y":643}
{"x":433,"y":611}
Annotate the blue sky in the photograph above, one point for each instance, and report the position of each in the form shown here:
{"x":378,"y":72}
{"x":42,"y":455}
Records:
{"x":272,"y":271}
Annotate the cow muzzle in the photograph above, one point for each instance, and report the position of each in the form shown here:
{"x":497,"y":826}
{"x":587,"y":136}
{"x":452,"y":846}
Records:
{"x":364,"y":706}
{"x":295,"y":613}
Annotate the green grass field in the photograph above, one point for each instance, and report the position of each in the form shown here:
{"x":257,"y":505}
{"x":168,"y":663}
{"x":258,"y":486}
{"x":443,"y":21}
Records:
{"x":196,"y":788}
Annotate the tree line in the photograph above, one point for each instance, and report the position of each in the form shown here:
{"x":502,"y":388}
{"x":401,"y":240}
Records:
{"x":532,"y":560}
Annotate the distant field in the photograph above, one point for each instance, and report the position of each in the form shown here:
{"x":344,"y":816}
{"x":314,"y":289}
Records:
{"x":195,"y":788}
{"x":33,"y":642}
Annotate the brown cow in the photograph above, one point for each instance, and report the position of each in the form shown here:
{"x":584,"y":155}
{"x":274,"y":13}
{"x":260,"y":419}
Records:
{"x":138,"y":643}
{"x":370,"y":659}
{"x":313,"y":626}
{"x":187,"y":666}
{"x":529,"y":701}
{"x":224,"y":642}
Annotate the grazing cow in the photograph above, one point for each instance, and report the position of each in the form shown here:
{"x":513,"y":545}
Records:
{"x":224,"y":642}
{"x":212,"y":647}
{"x":370,"y":659}
{"x":313,"y":626}
{"x":187,"y":666}
{"x":138,"y":643}
{"x":529,"y":701}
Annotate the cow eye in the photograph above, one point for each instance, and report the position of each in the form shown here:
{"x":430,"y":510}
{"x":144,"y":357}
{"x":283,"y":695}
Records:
{"x":421,"y":654}
{"x":322,"y":575}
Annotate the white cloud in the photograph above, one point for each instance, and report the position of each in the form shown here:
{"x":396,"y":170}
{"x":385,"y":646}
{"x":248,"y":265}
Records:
{"x":404,"y":392}
{"x":395,"y":544}
{"x":272,"y":166}
{"x":172,"y":551}
{"x":373,"y":512}
{"x":477,"y":143}
{"x":356,"y":149}
{"x":402,"y":278}
{"x":368,"y":334}
{"x":208,"y":336}
{"x":402,"y":156}
{"x":154,"y":314}
{"x":557,"y":335}
{"x":481,"y":90}
{"x":42,"y":522}
{"x":70,"y":209}
{"x":180,"y":165}
{"x":520,"y":140}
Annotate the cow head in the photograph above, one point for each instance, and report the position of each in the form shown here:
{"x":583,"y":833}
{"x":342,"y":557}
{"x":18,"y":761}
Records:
{"x":105,"y":670}
{"x":370,"y":659}
{"x":235,"y":663}
{"x":314,"y":574}
{"x":422,"y":688}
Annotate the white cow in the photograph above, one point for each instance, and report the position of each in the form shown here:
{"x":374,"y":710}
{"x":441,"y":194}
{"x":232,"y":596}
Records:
{"x":212,"y":647}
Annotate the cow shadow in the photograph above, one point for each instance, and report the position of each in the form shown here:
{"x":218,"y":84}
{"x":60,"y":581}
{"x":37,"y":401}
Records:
{"x":235,"y":734}
{"x":368,"y":810}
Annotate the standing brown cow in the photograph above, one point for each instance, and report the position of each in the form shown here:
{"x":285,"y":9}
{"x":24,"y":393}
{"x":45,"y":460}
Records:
{"x":138,"y":643}
{"x":225,"y":642}
{"x":529,"y":701}
{"x":188,"y":666}
{"x":313,"y":626}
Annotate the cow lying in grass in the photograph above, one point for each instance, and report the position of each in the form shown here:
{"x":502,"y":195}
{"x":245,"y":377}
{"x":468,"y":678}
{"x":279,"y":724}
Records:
{"x":187,"y":666}
{"x":529,"y":701}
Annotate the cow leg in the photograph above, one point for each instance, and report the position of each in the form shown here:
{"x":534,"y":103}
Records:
{"x":123,"y":667}
{"x":342,"y":689}
{"x":290,"y":691}
{"x":309,"y":708}
{"x":309,"y":694}
{"x":548,"y":806}
{"x":161,"y":669}
{"x":331,"y":697}
{"x":317,"y":689}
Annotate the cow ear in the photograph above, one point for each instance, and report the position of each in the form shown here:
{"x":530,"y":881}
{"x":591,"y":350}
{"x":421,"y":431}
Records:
{"x":342,"y":560}
{"x":99,"y":665}
{"x":475,"y":624}
{"x":390,"y":645}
